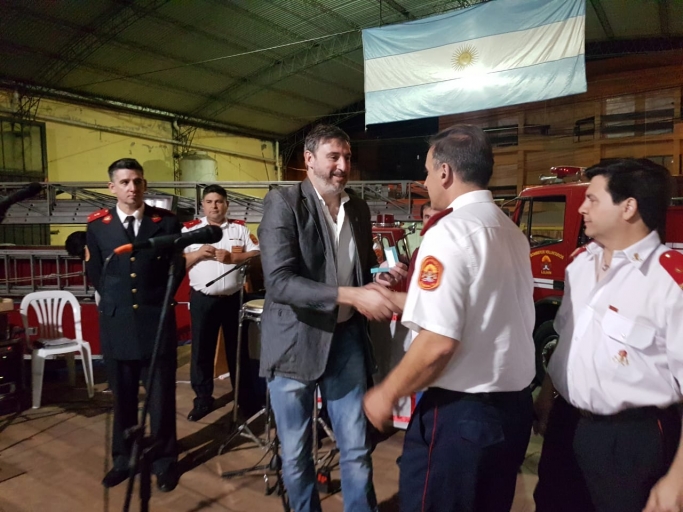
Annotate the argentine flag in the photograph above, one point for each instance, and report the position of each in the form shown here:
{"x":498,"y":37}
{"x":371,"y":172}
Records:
{"x":495,"y":54}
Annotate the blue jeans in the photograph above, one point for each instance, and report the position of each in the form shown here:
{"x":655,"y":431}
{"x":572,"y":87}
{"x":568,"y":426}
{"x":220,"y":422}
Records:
{"x":342,"y":386}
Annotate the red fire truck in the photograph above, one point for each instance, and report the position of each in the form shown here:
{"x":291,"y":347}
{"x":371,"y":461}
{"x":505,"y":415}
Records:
{"x":548,"y":215}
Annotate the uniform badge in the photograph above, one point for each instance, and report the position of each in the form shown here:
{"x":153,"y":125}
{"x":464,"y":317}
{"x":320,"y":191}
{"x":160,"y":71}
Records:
{"x":621,"y":358}
{"x":431,"y":271}
{"x":156,"y":218}
{"x":253,"y":238}
{"x":107,"y":219}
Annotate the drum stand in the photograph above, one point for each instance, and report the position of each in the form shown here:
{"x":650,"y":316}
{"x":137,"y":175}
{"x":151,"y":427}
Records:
{"x":243,"y":430}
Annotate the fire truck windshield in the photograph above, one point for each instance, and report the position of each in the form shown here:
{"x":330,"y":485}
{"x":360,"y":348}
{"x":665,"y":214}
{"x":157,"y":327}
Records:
{"x":542,"y":219}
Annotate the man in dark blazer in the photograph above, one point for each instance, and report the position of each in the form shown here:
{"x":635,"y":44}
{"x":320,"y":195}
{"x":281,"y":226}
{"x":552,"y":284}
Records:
{"x":316,"y":251}
{"x":132,"y":294}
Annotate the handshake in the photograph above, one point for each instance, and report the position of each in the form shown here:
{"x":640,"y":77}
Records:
{"x":377,"y":301}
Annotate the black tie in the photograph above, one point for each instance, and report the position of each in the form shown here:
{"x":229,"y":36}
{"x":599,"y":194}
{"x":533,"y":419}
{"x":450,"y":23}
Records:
{"x":131,"y":227}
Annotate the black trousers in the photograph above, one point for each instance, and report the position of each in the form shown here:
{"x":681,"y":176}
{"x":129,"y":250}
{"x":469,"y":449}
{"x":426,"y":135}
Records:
{"x":208,"y":313}
{"x":462,"y":451}
{"x":124,"y":380}
{"x":604,"y":464}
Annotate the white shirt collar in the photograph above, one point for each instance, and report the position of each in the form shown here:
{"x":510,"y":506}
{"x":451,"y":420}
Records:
{"x":225,"y":224}
{"x":137,"y":213}
{"x":476,"y":196}
{"x":636,"y":253}
{"x":344,"y":197}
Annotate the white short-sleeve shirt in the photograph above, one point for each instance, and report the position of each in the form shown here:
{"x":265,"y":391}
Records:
{"x":621,"y":338}
{"x":473,"y":283}
{"x":205,"y":271}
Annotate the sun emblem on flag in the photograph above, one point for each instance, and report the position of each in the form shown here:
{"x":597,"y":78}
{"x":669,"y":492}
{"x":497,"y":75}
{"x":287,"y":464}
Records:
{"x":464,"y":57}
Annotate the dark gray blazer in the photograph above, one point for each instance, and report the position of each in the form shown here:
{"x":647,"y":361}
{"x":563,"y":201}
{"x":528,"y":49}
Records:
{"x":300,"y":312}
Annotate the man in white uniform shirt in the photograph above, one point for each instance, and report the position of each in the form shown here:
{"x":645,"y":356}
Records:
{"x":609,"y":406}
{"x":471,"y":308}
{"x":219,"y":304}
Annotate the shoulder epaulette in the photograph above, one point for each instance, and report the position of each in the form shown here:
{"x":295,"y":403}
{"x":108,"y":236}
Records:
{"x":672,"y":261}
{"x":434,"y":219}
{"x":192,"y":223}
{"x":98,"y":214}
{"x":237,"y":221}
{"x":579,"y":250}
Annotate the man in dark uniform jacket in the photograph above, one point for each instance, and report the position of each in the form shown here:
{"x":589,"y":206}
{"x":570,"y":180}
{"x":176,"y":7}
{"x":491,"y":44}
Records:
{"x":132,"y":294}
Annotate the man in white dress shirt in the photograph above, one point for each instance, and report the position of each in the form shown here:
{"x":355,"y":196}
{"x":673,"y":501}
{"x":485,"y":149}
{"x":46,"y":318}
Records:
{"x":609,"y":407}
{"x":470,"y":306}
{"x":219,"y":304}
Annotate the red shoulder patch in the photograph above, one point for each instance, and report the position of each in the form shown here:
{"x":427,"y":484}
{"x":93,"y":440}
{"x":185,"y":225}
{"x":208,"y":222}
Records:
{"x":431,"y":272}
{"x":97,"y":215}
{"x":237,"y":221}
{"x":579,"y":250}
{"x":434,"y":219}
{"x":672,"y":261}
{"x":192,"y":223}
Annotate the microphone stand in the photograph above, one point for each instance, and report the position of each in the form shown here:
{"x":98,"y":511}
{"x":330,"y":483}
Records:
{"x":236,"y":267}
{"x":144,"y":446}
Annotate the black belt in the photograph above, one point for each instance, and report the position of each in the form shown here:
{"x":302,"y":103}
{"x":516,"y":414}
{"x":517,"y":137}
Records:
{"x":493,"y":397}
{"x":213,"y":296}
{"x":634,"y":413}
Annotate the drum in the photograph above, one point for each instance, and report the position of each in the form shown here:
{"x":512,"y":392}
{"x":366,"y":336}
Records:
{"x":252,"y":311}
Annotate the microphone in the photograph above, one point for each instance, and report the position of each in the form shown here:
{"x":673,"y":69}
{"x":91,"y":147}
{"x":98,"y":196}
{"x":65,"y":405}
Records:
{"x":21,"y":194}
{"x":205,"y":235}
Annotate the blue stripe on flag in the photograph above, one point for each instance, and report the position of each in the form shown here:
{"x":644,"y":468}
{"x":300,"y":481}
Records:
{"x":488,"y":19}
{"x":522,"y":85}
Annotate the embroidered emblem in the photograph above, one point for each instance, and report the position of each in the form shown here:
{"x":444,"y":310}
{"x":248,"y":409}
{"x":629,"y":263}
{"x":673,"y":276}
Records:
{"x":107,"y":219}
{"x":253,"y":238}
{"x":156,"y":218}
{"x":431,"y":271}
{"x":621,"y":358}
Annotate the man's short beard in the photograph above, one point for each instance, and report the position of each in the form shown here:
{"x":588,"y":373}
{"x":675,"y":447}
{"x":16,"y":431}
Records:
{"x":327,"y":186}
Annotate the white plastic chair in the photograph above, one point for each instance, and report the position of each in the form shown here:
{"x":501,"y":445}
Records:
{"x":49,"y":307}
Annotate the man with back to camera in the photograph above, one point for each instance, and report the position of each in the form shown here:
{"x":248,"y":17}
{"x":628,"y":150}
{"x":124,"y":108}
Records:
{"x":219,"y":304}
{"x":316,"y":250}
{"x":132,"y":294}
{"x":610,"y":403}
{"x":470,"y":305}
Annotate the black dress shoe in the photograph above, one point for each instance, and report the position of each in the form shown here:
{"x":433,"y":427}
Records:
{"x":168,"y":480}
{"x":199,"y":411}
{"x":114,"y":477}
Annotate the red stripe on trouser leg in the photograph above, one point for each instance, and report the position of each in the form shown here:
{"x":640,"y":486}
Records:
{"x":429,"y":459}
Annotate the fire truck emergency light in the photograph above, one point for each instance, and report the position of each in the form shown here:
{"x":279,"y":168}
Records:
{"x":563,"y":172}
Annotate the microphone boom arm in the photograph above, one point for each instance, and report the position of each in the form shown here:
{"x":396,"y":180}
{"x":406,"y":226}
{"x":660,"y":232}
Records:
{"x":245,"y":263}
